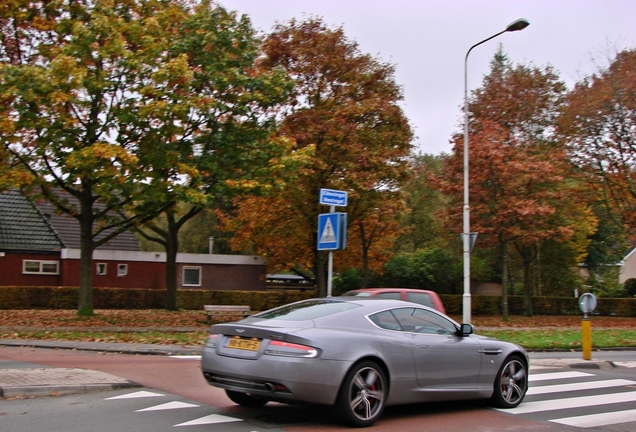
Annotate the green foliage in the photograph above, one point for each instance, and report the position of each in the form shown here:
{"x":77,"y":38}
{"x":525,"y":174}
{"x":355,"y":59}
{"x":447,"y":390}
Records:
{"x":604,"y":283}
{"x":346,"y":281}
{"x":630,"y":287}
{"x":434,"y":269}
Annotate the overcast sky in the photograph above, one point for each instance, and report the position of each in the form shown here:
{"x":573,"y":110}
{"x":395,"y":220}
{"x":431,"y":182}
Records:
{"x":427,"y":41}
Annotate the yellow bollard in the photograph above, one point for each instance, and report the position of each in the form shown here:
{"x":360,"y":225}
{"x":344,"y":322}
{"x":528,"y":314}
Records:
{"x":586,"y":333}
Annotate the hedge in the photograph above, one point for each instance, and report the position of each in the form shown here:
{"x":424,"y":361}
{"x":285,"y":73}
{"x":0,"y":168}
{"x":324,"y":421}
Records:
{"x":491,"y":305}
{"x":117,"y":298}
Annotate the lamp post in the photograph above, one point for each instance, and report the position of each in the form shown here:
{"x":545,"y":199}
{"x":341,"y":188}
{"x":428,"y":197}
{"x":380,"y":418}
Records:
{"x":517,"y":25}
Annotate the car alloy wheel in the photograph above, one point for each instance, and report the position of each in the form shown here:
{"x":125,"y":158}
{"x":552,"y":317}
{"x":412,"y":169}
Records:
{"x":511,"y":383}
{"x":363,"y":394}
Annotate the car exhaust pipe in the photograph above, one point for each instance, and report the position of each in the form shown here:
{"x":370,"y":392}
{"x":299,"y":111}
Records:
{"x":270,"y":387}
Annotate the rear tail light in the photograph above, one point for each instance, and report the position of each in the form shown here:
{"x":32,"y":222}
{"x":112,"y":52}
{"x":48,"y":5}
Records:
{"x":212,"y":340}
{"x":286,"y":349}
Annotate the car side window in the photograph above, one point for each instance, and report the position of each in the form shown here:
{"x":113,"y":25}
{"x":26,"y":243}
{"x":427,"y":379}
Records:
{"x":420,"y":298}
{"x":423,"y":321}
{"x":385,"y":320}
{"x":432,"y":323}
{"x":389,"y":295}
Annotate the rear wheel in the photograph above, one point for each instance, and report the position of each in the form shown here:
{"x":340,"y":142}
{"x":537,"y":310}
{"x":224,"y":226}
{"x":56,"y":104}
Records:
{"x":245,"y":399}
{"x":363,"y":394}
{"x":511,"y":383}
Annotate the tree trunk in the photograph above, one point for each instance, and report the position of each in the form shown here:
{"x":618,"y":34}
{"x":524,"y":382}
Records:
{"x":172,"y":248}
{"x":504,"y":283}
{"x":527,"y":288}
{"x":85,"y":301}
{"x":366,"y":273}
{"x":320,"y":271}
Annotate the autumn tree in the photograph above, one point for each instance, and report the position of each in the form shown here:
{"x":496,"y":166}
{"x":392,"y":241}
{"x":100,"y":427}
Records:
{"x":135,"y":104}
{"x":345,"y":109}
{"x":598,"y":126}
{"x":208,"y":113}
{"x":520,"y":196}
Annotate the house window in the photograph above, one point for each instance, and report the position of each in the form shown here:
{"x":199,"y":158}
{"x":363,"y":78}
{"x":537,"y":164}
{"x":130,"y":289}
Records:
{"x":122,"y":269}
{"x":101,"y":269}
{"x":191,"y":276}
{"x":40,"y":267}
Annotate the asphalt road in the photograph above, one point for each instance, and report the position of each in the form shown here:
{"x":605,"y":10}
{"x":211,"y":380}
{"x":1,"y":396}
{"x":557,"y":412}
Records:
{"x":180,"y":385}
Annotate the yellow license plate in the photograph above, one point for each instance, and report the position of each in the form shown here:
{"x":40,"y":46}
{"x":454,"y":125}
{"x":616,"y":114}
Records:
{"x":243,"y":344}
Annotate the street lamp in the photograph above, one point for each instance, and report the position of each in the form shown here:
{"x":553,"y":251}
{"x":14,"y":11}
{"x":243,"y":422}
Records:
{"x":467,"y":238}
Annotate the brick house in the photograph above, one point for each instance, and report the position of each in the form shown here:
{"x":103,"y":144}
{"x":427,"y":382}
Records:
{"x":40,"y":248}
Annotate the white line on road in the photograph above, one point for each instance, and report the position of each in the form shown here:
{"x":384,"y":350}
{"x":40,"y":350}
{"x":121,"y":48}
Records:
{"x":589,"y":385}
{"x":577,"y":402}
{"x":596,"y":420}
{"x":556,"y":376}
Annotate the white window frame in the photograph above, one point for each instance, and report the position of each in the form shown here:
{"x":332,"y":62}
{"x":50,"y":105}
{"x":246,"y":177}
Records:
{"x":41,"y":264}
{"x":101,"y":269}
{"x":122,"y":270}
{"x":183,"y":276}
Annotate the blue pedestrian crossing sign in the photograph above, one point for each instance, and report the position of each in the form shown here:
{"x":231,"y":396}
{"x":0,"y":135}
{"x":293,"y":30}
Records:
{"x":332,"y":231}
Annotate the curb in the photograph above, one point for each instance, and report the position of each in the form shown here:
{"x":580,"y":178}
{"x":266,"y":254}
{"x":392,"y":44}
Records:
{"x":145,"y":349}
{"x":57,"y":390}
{"x":34,"y":382}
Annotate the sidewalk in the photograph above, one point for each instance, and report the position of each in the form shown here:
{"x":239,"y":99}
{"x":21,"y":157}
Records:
{"x":43,"y":381}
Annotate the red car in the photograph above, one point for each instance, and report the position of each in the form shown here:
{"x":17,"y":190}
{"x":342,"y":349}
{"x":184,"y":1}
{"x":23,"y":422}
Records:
{"x":423,"y":297}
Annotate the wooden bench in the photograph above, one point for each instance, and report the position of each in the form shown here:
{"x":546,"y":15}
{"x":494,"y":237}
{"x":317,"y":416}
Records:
{"x":237,"y":311}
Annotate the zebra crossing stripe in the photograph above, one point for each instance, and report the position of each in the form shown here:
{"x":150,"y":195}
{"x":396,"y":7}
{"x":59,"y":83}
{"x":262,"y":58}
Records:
{"x":578,"y":386}
{"x":577,"y":402}
{"x":596,"y":420}
{"x":169,"y":406}
{"x":211,"y":419}
{"x":139,"y":394}
{"x":557,"y":375}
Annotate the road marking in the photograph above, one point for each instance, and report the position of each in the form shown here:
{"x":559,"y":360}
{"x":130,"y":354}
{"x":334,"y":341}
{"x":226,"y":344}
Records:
{"x":578,"y":386}
{"x":629,"y":364}
{"x":169,"y":406}
{"x":211,"y":419}
{"x":556,"y":375}
{"x":595,"y":420}
{"x":186,"y":357}
{"x":577,"y":402}
{"x":139,"y":394}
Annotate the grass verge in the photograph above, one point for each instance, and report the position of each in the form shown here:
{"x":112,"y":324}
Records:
{"x":535,"y":339}
{"x":546,"y":339}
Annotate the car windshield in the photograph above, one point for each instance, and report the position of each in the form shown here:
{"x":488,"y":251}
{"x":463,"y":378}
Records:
{"x":357,"y":294}
{"x":307,"y":310}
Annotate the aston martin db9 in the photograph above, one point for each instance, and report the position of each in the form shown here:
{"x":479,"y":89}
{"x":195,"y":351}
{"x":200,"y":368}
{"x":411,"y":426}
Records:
{"x":360,"y":355}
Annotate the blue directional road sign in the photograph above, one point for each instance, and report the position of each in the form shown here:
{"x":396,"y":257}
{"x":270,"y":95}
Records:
{"x":333,"y":197}
{"x":329,"y":231}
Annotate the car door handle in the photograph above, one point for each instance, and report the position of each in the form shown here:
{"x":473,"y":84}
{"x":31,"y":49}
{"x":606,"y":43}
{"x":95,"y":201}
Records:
{"x":422,"y":346}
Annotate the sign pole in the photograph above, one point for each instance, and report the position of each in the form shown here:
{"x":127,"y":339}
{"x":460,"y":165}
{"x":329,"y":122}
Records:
{"x":587,"y":304}
{"x":332,"y":228}
{"x":332,"y":209}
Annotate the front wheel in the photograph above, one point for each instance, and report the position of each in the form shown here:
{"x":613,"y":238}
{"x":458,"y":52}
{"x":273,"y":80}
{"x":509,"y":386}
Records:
{"x":511,"y":383}
{"x":245,"y":399}
{"x":363,"y":394}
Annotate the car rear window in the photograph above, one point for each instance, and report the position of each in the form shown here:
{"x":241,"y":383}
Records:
{"x":357,"y":294}
{"x":307,"y":310}
{"x":390,"y":295}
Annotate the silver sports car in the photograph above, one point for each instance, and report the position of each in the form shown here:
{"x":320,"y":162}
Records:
{"x":360,"y":355}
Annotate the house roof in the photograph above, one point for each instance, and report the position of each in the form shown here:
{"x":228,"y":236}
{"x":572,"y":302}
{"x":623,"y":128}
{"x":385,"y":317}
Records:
{"x":36,"y":226}
{"x":23,"y":227}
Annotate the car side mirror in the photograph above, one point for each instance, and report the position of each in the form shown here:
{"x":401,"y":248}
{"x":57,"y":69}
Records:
{"x":467,"y":329}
